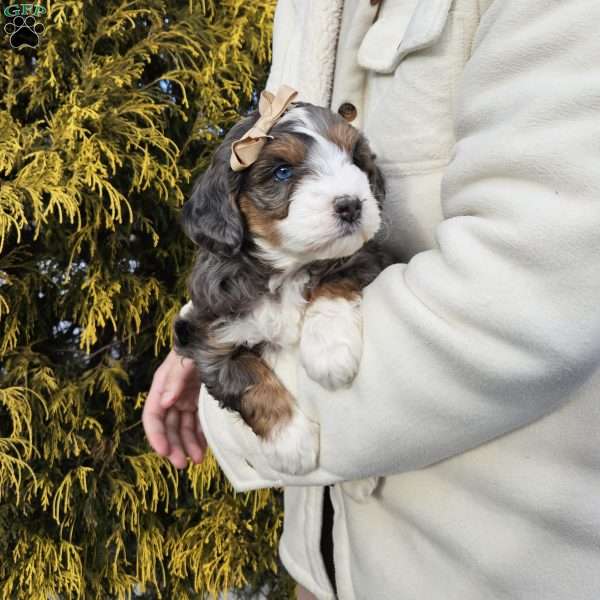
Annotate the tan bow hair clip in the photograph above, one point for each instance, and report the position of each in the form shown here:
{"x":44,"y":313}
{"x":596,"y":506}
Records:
{"x":245,"y":151}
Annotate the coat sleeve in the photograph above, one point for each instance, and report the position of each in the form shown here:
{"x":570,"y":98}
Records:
{"x":499,"y":324}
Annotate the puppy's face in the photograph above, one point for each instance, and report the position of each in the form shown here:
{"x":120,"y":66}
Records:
{"x":313,"y":193}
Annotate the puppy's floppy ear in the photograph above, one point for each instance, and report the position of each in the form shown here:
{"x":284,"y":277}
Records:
{"x":365,"y":160}
{"x":211,"y":217}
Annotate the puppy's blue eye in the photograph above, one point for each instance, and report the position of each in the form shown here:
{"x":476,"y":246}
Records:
{"x":283,"y":173}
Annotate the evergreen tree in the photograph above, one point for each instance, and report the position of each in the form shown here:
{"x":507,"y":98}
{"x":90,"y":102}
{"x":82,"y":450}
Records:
{"x":103,"y":128}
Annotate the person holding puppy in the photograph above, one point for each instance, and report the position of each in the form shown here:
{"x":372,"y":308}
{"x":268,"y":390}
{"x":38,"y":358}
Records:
{"x":462,"y":461}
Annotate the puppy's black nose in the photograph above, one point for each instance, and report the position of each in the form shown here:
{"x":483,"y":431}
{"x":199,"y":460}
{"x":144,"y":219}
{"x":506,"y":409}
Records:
{"x":348,"y":208}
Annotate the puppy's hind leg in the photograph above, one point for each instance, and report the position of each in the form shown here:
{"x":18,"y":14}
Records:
{"x":290,"y":441}
{"x":244,"y":382}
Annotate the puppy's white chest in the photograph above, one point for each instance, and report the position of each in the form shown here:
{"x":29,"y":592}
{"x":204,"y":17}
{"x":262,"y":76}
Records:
{"x":275,"y":319}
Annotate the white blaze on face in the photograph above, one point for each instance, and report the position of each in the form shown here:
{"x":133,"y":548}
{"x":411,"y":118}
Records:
{"x":313,"y":227}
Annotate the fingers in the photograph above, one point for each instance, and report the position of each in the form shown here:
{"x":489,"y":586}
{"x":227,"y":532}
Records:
{"x":173,"y":380}
{"x":181,"y":382}
{"x":170,"y":412}
{"x":153,"y":416}
{"x":189,"y":437}
{"x":177,"y":455}
{"x":175,"y":435}
{"x":184,"y":439}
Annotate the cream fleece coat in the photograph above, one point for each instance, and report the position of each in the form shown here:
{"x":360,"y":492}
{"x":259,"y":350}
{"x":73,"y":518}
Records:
{"x":466,"y":455}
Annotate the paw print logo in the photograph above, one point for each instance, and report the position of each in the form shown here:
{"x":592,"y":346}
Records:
{"x":24,"y":31}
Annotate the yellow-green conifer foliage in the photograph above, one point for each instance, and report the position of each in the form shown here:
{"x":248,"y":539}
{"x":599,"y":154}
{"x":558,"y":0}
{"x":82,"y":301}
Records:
{"x":103,"y":128}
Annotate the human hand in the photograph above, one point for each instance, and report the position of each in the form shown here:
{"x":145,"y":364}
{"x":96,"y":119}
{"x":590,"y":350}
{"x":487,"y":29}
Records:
{"x":170,"y":415}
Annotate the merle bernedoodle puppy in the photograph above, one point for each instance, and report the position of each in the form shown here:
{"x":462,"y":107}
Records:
{"x":285,"y":246}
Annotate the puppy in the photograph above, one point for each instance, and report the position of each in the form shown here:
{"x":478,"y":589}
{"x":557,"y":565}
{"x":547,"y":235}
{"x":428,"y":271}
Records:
{"x":285,"y":248}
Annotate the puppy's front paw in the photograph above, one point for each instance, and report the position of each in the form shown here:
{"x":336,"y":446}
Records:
{"x":294,"y":447}
{"x":331,"y":342}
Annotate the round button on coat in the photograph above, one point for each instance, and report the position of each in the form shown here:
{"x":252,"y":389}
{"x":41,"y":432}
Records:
{"x":348,"y":111}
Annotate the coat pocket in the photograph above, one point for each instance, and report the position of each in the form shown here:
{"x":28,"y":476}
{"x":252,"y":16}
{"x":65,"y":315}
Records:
{"x":414,"y":55}
{"x":411,"y":25}
{"x":414,"y":60}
